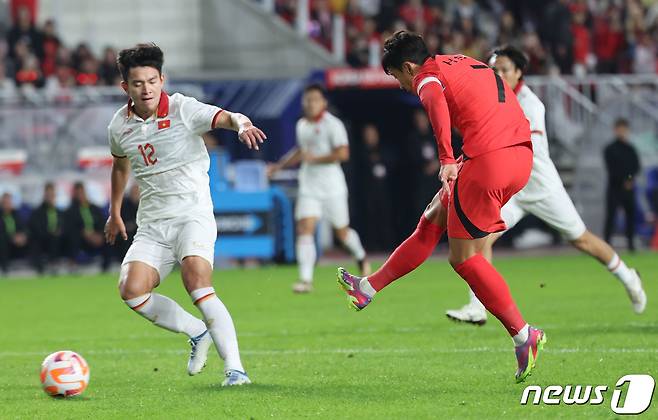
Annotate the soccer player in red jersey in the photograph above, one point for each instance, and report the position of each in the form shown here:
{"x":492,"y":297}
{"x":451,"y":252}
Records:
{"x":496,"y":163}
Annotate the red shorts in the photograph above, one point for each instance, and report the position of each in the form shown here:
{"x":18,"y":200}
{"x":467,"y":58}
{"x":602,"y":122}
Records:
{"x":484,"y":184}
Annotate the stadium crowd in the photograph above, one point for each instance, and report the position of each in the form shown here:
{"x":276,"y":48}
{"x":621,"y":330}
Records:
{"x":34,"y":57}
{"x":565,"y":36}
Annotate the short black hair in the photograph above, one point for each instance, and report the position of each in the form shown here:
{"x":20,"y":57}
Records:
{"x":621,"y":122}
{"x":141,"y":55}
{"x":403,"y":46}
{"x":316,"y":86}
{"x":515,"y":55}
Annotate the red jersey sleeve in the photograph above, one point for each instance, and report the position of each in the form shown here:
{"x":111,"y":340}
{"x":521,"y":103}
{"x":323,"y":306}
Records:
{"x":430,"y":91}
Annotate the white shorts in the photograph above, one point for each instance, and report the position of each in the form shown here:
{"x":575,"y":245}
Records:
{"x":163,"y":244}
{"x":557,"y":210}
{"x":334,"y":209}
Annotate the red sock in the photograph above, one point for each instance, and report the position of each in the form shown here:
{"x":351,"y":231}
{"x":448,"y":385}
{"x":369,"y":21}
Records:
{"x":409,"y":255}
{"x":490,"y":287}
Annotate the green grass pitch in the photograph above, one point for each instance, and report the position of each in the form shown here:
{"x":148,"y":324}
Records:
{"x":311,"y":356}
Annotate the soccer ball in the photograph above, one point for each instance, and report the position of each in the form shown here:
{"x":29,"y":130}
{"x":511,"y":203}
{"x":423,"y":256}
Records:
{"x":64,"y":374}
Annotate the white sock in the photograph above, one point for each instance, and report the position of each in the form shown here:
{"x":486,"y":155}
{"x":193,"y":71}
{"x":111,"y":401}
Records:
{"x":522,"y":336}
{"x":353,"y":244}
{"x":617,"y":267}
{"x":167,"y":314}
{"x":220,"y":325}
{"x":474,"y":299}
{"x":366,"y":287}
{"x":306,"y":255}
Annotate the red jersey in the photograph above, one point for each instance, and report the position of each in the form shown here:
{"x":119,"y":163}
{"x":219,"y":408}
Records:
{"x":459,"y":90}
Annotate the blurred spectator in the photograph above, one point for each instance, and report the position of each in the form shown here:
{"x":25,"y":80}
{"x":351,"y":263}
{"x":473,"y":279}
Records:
{"x":84,"y":224}
{"x":129,"y":217}
{"x":509,"y":33}
{"x":50,"y":45}
{"x":45,"y":231}
{"x":644,"y":58}
{"x":108,"y":71}
{"x":581,"y":41}
{"x":608,"y":40}
{"x":377,"y":200}
{"x":24,"y":31}
{"x":58,"y":86}
{"x":81,"y":54}
{"x":13,"y":238}
{"x":29,"y":74}
{"x":88,"y":72}
{"x":557,"y":34}
{"x":622,"y":164}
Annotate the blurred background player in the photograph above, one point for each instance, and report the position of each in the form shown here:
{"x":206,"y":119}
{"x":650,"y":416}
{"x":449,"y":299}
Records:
{"x":545,"y":196}
{"x":45,"y":227}
{"x":13,"y":237}
{"x":159,"y":137}
{"x":496,"y":165}
{"x":623,"y":165}
{"x":322,"y":146}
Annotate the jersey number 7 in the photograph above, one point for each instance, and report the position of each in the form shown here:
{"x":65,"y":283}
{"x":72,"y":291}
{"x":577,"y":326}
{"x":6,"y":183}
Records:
{"x":499,"y":82}
{"x":148,"y":152}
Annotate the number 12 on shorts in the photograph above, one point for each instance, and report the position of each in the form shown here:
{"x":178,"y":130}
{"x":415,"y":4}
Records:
{"x":148,"y":152}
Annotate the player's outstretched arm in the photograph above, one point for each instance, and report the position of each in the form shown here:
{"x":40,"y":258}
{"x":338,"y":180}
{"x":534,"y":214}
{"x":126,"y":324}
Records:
{"x":248,"y":133}
{"x":292,"y":158}
{"x":119,"y":179}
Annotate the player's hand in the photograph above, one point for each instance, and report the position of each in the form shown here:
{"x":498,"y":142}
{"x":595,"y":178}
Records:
{"x":448,"y":174}
{"x":251,"y":136}
{"x":272,"y":168}
{"x":113,"y":227}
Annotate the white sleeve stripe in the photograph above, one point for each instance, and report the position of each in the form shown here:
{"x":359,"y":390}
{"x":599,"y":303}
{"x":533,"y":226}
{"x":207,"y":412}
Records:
{"x":427,"y":80}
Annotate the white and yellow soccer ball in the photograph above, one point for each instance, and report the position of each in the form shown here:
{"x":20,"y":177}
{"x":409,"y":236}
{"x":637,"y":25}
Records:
{"x":64,"y":374}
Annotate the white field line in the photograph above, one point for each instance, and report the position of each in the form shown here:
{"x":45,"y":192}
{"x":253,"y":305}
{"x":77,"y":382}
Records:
{"x":306,"y":351}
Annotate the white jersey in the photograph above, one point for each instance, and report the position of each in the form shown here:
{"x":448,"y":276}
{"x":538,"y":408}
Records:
{"x":544,"y":177}
{"x":167,"y":155}
{"x":320,"y":138}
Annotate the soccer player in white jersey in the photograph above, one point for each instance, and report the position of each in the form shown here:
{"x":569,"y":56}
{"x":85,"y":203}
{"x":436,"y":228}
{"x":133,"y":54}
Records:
{"x":545,"y":196}
{"x":321,"y":147}
{"x":158,"y":136}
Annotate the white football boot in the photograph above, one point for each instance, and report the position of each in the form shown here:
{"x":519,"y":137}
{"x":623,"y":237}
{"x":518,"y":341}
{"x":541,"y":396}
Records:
{"x":471,"y":313}
{"x":199,"y":353}
{"x":235,"y":377}
{"x":636,"y":293}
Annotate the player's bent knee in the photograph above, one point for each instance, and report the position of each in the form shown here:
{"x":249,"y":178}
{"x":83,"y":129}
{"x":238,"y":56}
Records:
{"x":135,"y":281}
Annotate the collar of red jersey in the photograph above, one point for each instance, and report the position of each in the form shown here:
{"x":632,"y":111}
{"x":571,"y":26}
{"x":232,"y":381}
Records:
{"x":163,"y":106}
{"x":518,"y":87}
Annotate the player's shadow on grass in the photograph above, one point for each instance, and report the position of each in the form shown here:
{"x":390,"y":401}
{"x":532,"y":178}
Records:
{"x":333,"y":392}
{"x":627,"y":328}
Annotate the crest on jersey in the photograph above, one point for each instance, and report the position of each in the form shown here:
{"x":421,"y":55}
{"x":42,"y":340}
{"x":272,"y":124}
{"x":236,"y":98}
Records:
{"x":162,"y":124}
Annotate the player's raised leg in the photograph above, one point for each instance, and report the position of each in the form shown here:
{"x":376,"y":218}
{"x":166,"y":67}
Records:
{"x":136,"y":283}
{"x":306,"y":253}
{"x":406,"y":257}
{"x":629,"y":277}
{"x":197,"y":272}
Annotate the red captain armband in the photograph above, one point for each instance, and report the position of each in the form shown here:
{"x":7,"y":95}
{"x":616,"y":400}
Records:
{"x":214,"y":118}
